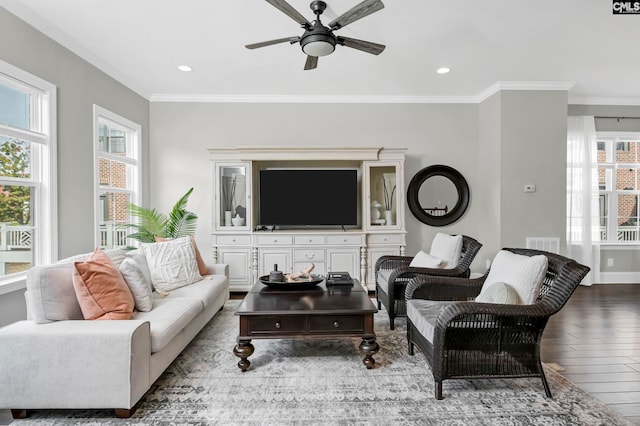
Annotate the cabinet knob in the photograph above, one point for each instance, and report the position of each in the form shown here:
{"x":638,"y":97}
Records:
{"x":385,"y":239}
{"x":275,"y":241}
{"x":336,"y":324}
{"x":345,"y":240}
{"x":310,"y":256}
{"x":278,"y":324}
{"x":310,"y":240}
{"x":234,"y":240}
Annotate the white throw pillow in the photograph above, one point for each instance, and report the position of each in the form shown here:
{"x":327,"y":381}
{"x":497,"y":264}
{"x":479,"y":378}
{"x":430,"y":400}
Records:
{"x":448,"y":248}
{"x":172,"y":264}
{"x":524,"y":273}
{"x":499,"y":293}
{"x":138,"y":283}
{"x":425,"y":260}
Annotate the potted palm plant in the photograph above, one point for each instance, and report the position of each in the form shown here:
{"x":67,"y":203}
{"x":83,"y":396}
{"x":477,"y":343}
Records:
{"x":151,"y":224}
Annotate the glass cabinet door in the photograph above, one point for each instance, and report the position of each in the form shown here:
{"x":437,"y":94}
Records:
{"x":384,"y":195}
{"x":232,"y":202}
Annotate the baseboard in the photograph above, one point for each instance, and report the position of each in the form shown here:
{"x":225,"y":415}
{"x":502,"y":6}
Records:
{"x":619,"y":278}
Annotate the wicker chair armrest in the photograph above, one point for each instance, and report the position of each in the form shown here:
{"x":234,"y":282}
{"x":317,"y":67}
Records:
{"x":392,"y":262}
{"x":443,"y":288}
{"x":490,"y":310}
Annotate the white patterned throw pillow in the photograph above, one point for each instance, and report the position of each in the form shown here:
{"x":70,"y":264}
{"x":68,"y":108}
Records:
{"x":172,"y":264}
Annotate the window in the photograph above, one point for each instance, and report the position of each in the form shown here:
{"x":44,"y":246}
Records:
{"x":117,"y":165}
{"x":619,"y":183}
{"x":28,"y":225}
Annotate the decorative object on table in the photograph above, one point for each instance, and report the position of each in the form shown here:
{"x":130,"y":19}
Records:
{"x":275,"y":275}
{"x":375,"y":213}
{"x":389,"y":192}
{"x":302,"y":275}
{"x":228,"y":198}
{"x":151,"y":224}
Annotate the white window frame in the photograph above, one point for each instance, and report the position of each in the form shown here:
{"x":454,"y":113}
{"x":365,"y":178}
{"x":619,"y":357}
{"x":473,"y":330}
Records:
{"x":611,"y":165}
{"x":44,"y":177}
{"x":114,"y":120}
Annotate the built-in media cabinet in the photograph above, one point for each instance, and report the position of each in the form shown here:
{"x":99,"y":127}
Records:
{"x":360,"y":189}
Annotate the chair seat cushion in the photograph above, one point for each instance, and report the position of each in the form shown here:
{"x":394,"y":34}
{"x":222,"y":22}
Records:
{"x":383,"y":279}
{"x":424,"y":315}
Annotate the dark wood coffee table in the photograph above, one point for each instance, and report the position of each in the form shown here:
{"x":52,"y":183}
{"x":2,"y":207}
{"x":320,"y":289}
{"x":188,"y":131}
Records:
{"x":317,"y":312}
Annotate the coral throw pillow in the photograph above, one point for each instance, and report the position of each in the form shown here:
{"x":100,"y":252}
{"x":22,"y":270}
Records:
{"x":202,"y":267}
{"x":101,"y":291}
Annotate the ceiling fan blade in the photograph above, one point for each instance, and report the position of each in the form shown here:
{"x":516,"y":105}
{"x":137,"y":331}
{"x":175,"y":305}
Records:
{"x":367,"y":7}
{"x":312,"y":63}
{"x":288,"y":10}
{"x":365,"y":46}
{"x":291,"y":40}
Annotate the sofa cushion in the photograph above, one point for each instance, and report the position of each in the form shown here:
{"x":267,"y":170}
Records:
{"x":101,"y":291}
{"x":448,"y":248}
{"x":138,"y":283}
{"x":168,"y":317}
{"x":50,"y":294}
{"x":424,"y":315}
{"x":383,"y":279}
{"x":524,"y":273}
{"x":172,"y":263}
{"x":205,"y":290}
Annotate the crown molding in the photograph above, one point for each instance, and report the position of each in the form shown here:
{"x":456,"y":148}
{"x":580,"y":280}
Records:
{"x":523,"y":85}
{"x":316,"y":99}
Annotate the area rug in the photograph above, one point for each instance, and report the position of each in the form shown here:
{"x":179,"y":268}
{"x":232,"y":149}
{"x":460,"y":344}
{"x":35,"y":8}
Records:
{"x":323,"y":382}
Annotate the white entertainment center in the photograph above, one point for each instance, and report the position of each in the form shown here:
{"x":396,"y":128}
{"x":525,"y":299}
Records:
{"x":251,"y":250}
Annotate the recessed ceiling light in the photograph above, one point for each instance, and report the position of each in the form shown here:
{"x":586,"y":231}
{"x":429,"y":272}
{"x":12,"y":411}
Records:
{"x":185,"y":68}
{"x":443,"y":70}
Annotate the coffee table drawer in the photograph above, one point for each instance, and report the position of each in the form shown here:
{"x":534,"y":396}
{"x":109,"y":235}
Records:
{"x":260,"y":325}
{"x":335,"y":323}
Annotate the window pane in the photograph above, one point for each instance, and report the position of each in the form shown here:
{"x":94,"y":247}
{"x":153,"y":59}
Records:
{"x":15,"y":158}
{"x":627,"y":217}
{"x":117,"y":141}
{"x":626,"y":152}
{"x":113,"y":173}
{"x":113,"y":217}
{"x":626,"y":179}
{"x":16,"y":229}
{"x":14,"y":107}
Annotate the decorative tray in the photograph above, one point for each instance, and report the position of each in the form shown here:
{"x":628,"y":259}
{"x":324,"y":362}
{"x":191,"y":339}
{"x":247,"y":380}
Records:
{"x":298,"y":284}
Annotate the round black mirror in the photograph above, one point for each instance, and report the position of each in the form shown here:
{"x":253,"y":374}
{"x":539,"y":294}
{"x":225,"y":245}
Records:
{"x":438,"y":195}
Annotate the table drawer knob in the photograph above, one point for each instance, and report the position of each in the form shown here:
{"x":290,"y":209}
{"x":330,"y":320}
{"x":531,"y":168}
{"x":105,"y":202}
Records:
{"x":336,"y":324}
{"x":278,"y":324}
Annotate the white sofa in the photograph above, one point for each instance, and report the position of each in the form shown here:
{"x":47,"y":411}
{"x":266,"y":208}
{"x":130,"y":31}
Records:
{"x":58,"y":360}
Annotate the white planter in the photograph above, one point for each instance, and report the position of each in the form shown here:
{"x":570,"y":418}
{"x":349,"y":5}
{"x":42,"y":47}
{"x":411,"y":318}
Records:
{"x":227,"y":218}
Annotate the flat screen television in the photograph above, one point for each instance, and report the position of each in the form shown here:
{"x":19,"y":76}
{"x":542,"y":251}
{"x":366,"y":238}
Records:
{"x":308,"y":197}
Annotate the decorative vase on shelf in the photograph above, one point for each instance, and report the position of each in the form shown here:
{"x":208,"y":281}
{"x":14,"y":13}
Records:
{"x":227,"y":218}
{"x":237,"y":220}
{"x":387,"y":218}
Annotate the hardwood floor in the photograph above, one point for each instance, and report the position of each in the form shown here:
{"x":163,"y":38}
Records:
{"x":596,"y":339}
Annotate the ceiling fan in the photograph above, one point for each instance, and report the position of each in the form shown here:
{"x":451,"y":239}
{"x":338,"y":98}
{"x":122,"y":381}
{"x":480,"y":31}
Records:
{"x":318,"y":39}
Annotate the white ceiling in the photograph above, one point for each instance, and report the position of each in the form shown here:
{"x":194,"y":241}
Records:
{"x":488,"y":44}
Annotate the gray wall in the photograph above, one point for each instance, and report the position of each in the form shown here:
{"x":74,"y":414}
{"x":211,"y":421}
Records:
{"x":80,"y":85}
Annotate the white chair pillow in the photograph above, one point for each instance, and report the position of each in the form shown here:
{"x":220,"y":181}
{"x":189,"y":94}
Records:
{"x":524,"y":273}
{"x":499,"y":293}
{"x":425,"y":260}
{"x":448,"y":248}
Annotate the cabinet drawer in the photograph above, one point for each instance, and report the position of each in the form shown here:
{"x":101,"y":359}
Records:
{"x":309,"y":239}
{"x":276,"y":325}
{"x":344,"y":239}
{"x":336,"y":323}
{"x":308,"y":255}
{"x":231,"y":240}
{"x":385,"y":239}
{"x":277,"y":240}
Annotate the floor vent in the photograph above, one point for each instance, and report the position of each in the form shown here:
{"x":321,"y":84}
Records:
{"x":551,"y":245}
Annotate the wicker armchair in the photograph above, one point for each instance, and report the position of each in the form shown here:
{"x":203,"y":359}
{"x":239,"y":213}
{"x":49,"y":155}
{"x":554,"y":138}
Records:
{"x":390,"y":286}
{"x":472,"y":340}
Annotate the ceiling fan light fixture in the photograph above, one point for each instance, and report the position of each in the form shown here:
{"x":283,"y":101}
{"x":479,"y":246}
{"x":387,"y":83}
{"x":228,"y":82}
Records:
{"x":318,"y":44}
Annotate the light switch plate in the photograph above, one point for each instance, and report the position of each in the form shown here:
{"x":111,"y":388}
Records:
{"x":529,"y":188}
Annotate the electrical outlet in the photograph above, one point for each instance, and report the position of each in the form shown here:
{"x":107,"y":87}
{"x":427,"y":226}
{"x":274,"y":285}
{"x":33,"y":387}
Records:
{"x":530,"y":188}
{"x":610,"y":261}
